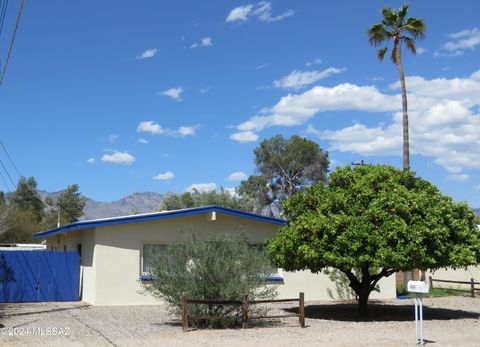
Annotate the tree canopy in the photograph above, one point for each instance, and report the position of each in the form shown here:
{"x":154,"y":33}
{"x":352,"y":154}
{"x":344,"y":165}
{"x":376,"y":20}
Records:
{"x":22,"y":213}
{"x":196,"y":198}
{"x":372,"y":221}
{"x":284,"y":166}
{"x":70,"y":203}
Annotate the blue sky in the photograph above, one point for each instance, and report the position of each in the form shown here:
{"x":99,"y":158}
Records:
{"x":159,"y":96}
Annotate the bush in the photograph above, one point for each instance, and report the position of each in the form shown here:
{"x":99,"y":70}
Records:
{"x":224,"y":267}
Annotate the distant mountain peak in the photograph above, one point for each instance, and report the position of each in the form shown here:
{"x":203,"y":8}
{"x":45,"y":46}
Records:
{"x":135,"y":203}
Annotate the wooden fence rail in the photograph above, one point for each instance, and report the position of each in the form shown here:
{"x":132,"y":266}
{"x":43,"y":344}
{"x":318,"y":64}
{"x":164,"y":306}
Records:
{"x":472,"y":284}
{"x":244,"y":304}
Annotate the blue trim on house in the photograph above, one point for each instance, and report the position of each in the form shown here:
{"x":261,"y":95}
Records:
{"x":156,"y":216}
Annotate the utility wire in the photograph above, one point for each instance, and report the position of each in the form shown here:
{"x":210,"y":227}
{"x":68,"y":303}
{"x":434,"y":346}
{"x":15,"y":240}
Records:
{"x":5,"y":182}
{"x":11,"y":42}
{"x":3,"y":12}
{"x":5,"y":169}
{"x":19,"y":174}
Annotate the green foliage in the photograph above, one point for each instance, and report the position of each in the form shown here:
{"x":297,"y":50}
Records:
{"x":379,"y":220}
{"x":396,"y":27}
{"x":23,"y":213}
{"x":196,"y":199}
{"x":25,"y":198}
{"x":18,"y":226}
{"x":285,"y":166}
{"x":223,"y":267}
{"x":70,"y":203}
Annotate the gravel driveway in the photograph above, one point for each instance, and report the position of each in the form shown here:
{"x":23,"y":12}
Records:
{"x":451,"y":321}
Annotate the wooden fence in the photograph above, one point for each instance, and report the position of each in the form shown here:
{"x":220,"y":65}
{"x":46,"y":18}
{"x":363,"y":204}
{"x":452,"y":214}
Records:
{"x":472,"y":284}
{"x":244,"y":304}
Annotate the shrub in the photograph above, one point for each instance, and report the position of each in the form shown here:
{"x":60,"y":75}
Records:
{"x":224,"y":267}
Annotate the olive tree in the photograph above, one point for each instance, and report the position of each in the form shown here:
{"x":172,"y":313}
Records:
{"x":223,"y":267}
{"x":372,"y":221}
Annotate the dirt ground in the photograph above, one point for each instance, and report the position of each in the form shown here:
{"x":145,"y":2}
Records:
{"x":450,"y":321}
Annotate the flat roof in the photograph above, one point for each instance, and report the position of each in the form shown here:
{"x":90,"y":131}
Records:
{"x":137,"y":218}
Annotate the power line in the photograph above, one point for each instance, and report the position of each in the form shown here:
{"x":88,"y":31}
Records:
{"x":11,"y":42}
{"x":5,"y":182}
{"x":3,"y":12}
{"x":19,"y":174}
{"x":5,"y":169}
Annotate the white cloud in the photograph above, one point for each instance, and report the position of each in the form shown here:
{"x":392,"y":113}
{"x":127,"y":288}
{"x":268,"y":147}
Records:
{"x":237,"y":176}
{"x":262,"y":66}
{"x":156,"y":129}
{"x":316,"y":61}
{"x":421,"y":50}
{"x":298,"y":79}
{"x":205,"y":90}
{"x":444,"y":125}
{"x":262,"y":11}
{"x":149,"y":53}
{"x":231,"y":190}
{"x":240,"y":14}
{"x":112,"y":138}
{"x":187,"y":131}
{"x":201,"y":187}
{"x":461,"y":41}
{"x":119,"y":158}
{"x":244,"y":136}
{"x":91,"y":160}
{"x":167,"y":176}
{"x":142,"y":140}
{"x":444,"y":119}
{"x":173,"y":93}
{"x":150,"y":127}
{"x":297,"y":109}
{"x":204,"y":42}
{"x":458,"y":178}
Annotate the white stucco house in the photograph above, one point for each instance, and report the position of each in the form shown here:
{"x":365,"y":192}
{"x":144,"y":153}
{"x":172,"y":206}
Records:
{"x":115,"y":252}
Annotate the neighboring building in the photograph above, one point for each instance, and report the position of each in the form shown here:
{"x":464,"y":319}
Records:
{"x":115,"y":252}
{"x":22,"y":246}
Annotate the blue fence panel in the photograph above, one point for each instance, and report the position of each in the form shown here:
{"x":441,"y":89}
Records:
{"x":27,"y":276}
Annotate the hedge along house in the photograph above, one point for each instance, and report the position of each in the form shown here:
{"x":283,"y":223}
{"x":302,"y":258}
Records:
{"x":115,"y":252}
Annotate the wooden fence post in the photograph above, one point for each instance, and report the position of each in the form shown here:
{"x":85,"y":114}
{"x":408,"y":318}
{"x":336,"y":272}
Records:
{"x":472,"y":287}
{"x":301,"y":308}
{"x":245,"y":312}
{"x":430,"y":282}
{"x":184,"y":313}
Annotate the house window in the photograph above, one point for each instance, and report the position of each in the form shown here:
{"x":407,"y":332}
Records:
{"x":150,"y":252}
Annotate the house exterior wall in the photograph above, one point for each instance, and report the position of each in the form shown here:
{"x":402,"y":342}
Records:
{"x":112,"y":257}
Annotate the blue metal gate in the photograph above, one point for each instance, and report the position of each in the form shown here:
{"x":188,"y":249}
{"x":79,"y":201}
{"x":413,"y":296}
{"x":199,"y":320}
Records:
{"x":27,"y":276}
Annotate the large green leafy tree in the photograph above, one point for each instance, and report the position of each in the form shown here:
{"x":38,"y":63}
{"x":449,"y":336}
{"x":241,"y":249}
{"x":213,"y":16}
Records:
{"x":401,"y":30}
{"x":70,"y":203}
{"x":196,"y":199}
{"x":284,"y":167}
{"x":372,"y":221}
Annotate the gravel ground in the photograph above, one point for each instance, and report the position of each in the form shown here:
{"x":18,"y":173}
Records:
{"x":450,"y":321}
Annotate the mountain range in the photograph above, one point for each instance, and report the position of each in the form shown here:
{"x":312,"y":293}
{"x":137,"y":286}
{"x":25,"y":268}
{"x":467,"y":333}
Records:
{"x":134,"y":203}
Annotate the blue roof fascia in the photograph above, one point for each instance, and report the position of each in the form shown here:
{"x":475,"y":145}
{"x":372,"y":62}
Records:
{"x":157,"y":216}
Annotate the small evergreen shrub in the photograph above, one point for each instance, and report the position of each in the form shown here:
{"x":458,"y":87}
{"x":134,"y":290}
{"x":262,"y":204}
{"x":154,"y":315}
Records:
{"x":224,"y":267}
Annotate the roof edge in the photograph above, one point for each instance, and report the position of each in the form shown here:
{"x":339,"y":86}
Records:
{"x":156,"y":216}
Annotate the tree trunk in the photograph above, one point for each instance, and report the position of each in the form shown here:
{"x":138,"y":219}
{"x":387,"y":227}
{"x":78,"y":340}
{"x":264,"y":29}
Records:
{"x":363,"y":295}
{"x":406,"y":141}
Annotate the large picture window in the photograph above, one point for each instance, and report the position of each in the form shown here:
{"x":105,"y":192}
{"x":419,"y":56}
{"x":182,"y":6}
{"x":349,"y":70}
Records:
{"x":150,"y":252}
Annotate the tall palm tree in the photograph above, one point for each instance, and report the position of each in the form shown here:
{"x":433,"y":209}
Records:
{"x":396,"y":27}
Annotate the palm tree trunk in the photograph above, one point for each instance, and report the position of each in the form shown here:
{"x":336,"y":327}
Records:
{"x":406,"y":141}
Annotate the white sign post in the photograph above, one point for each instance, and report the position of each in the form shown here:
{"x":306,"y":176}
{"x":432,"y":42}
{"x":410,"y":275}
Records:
{"x":419,"y":288}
